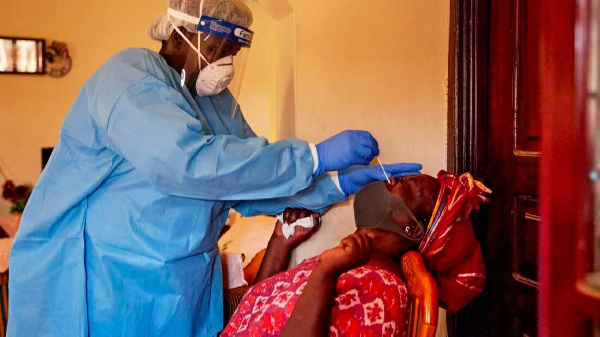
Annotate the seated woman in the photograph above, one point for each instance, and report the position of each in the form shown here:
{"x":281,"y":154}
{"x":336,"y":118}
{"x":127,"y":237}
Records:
{"x":357,"y":287}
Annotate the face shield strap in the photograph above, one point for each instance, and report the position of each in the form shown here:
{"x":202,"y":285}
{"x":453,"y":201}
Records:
{"x":182,"y":16}
{"x":171,"y":13}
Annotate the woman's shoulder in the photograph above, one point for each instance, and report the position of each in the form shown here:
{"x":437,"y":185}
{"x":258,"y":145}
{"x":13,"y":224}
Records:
{"x":372,"y":272}
{"x":368,"y":283}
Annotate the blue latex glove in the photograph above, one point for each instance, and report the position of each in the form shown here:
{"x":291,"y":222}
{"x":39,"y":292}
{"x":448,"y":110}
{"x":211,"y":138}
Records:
{"x":347,"y":148}
{"x":355,"y":177}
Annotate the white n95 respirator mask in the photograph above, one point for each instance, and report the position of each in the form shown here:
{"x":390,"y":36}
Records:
{"x":215,"y":77}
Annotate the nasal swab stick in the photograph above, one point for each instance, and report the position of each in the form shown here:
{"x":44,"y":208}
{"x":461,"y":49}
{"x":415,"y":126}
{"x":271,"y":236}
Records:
{"x":384,"y":173}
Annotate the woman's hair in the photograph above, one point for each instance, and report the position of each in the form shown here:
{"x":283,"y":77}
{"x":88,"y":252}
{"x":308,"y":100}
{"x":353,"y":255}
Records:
{"x":234,"y":11}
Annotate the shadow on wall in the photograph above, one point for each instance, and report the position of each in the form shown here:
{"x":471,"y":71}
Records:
{"x":268,"y":87}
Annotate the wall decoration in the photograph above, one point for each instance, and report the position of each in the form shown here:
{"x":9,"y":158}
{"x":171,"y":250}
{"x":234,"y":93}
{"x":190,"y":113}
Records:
{"x":58,"y":60}
{"x":21,"y":55}
{"x":18,"y":195}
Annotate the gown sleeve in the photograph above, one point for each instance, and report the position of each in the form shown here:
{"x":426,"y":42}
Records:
{"x":321,"y":193}
{"x":153,"y":127}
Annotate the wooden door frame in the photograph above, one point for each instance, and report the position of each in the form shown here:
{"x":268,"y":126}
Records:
{"x":467,"y":86}
{"x":468,"y":123}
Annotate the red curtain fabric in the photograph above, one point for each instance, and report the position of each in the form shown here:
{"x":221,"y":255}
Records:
{"x":449,"y":248}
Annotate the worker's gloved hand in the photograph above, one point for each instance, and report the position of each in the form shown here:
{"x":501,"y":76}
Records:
{"x":347,"y":148}
{"x":355,"y":177}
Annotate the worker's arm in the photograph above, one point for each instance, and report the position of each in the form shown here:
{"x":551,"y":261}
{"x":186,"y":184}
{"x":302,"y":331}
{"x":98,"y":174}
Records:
{"x":320,"y":194}
{"x":153,"y":127}
{"x":313,"y":310}
{"x":141,"y":113}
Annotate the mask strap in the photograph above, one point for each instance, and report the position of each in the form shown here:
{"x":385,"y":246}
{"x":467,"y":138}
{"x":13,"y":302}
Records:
{"x":408,"y":212}
{"x":404,"y":209}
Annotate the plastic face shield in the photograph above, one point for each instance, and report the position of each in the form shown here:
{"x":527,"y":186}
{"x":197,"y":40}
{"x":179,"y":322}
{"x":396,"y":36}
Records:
{"x":228,"y":40}
{"x":223,"y":39}
{"x":373,"y":209}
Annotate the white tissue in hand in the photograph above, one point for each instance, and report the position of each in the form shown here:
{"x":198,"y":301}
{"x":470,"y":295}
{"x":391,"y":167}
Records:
{"x":288,"y":230}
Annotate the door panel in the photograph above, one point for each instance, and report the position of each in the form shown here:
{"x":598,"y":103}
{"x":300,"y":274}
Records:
{"x":526,"y":70}
{"x":525,"y":232}
{"x":514,"y":154}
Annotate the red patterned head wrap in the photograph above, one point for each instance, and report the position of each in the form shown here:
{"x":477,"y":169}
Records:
{"x":449,"y":246}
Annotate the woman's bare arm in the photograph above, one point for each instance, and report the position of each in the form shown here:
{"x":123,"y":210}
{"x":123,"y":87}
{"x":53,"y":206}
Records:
{"x":276,"y":259}
{"x":279,"y":249}
{"x":313,"y":310}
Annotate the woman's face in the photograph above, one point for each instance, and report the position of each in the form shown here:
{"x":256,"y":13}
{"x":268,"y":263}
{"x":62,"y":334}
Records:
{"x":419,"y":193}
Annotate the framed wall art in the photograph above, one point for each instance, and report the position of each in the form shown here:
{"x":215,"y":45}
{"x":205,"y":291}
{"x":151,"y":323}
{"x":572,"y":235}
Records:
{"x":22,"y":55}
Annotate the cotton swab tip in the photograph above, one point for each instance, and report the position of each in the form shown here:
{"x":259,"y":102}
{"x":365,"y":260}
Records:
{"x":382,"y":169}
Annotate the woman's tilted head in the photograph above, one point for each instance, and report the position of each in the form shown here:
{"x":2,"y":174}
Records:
{"x":419,"y":193}
{"x":396,"y":212}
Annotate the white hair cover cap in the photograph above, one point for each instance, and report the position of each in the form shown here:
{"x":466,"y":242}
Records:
{"x":234,"y":11}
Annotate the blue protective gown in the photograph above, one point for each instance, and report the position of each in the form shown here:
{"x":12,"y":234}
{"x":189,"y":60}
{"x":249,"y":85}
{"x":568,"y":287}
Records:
{"x":119,"y":236}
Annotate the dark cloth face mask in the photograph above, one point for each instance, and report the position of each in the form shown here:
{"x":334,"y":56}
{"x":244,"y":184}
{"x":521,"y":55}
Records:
{"x":373,"y":209}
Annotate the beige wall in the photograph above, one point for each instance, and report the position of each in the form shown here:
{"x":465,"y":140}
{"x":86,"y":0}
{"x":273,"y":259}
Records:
{"x":32,"y":108}
{"x":379,"y":65}
{"x":258,"y":81}
{"x":268,"y":88}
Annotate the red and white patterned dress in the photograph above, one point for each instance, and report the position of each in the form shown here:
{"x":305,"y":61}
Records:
{"x":369,"y":301}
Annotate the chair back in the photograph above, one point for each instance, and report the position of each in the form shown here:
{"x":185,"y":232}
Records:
{"x":422,"y":294}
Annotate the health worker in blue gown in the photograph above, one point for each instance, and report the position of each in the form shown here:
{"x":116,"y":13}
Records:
{"x":120,"y":235}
